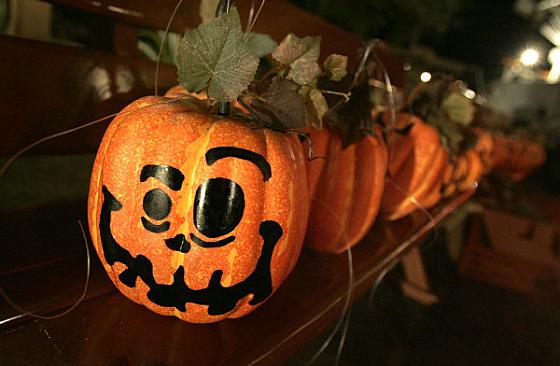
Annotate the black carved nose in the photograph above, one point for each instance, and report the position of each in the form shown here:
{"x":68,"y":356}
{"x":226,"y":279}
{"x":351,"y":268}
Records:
{"x":178,"y":244}
{"x":218,"y":207}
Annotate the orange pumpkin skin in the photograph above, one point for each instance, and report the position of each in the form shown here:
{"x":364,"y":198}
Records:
{"x":475,"y":170}
{"x":417,"y":163}
{"x":449,"y":186}
{"x":178,"y":91}
{"x":516,"y":158}
{"x":484,"y":148}
{"x":345,"y":187}
{"x":153,"y":131}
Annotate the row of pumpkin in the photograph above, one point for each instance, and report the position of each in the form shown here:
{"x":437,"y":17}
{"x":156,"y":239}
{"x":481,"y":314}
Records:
{"x":201,"y":213}
{"x":231,"y":261}
{"x":416,"y":172}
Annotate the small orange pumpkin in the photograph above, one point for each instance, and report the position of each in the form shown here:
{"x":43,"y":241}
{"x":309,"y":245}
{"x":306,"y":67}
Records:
{"x":475,"y":170}
{"x":345,"y":187}
{"x":483,"y":147}
{"x":449,"y":186}
{"x":516,"y":158}
{"x":193,"y":215}
{"x":417,"y":163}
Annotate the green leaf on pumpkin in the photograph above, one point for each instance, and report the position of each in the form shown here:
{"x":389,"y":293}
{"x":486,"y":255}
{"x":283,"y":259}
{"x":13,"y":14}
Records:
{"x":302,"y":57}
{"x":452,"y":134}
{"x":459,"y":108}
{"x":282,"y":106}
{"x":336,"y":65}
{"x":214,"y":55}
{"x":319,"y":103}
{"x":260,"y":44}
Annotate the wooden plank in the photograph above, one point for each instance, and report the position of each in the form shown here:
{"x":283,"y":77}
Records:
{"x":108,"y":327}
{"x":56,"y":87}
{"x":52,"y":87}
{"x":278,"y":18}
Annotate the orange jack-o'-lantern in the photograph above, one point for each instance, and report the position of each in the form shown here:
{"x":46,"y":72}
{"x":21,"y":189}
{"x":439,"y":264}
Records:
{"x":194,"y":215}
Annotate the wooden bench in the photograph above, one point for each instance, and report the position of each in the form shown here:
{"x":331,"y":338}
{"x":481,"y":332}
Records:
{"x":53,"y":87}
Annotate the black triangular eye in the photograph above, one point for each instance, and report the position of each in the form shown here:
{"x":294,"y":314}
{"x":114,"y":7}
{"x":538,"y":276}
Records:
{"x":218,"y":207}
{"x":157,"y":204}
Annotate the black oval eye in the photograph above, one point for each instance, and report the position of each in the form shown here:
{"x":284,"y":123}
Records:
{"x":218,"y":207}
{"x":157,"y":204}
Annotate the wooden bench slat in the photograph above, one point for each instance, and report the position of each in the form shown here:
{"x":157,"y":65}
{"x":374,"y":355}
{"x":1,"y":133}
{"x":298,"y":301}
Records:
{"x":51,"y":87}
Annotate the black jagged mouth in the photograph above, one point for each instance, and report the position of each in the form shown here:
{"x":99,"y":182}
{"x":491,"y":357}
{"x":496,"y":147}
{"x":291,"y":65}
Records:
{"x":180,"y":244}
{"x":211,"y":244}
{"x":219,"y":299}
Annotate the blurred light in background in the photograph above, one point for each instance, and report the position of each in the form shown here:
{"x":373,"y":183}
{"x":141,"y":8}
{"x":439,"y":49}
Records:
{"x":470,"y":94}
{"x":554,"y":59}
{"x":425,"y":77}
{"x":554,"y":56}
{"x":530,"y":57}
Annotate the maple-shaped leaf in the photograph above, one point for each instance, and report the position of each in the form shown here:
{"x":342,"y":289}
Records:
{"x":214,"y":56}
{"x":452,"y":134}
{"x":459,"y":108}
{"x":302,"y":56}
{"x":260,"y":44}
{"x":283,"y":105}
{"x":336,"y":65}
{"x":427,"y":97}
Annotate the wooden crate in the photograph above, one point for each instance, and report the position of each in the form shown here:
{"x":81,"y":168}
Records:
{"x":514,"y":253}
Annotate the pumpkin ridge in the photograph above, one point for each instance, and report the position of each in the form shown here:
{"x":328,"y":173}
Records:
{"x":430,"y":179}
{"x":334,"y":169}
{"x":120,"y":119}
{"x":195,"y":154}
{"x":350,"y":211}
{"x":378,"y":162}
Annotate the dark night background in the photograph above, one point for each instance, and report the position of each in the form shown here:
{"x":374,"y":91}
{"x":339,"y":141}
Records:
{"x":475,"y":32}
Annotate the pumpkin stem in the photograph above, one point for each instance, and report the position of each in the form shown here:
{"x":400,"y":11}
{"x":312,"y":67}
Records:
{"x":223,"y":7}
{"x":224,"y":108}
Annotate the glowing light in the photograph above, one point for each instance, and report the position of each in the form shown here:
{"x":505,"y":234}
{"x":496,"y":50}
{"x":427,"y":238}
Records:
{"x":425,"y":77}
{"x":530,"y":57}
{"x":554,"y":59}
{"x":554,"y":55}
{"x":470,"y":94}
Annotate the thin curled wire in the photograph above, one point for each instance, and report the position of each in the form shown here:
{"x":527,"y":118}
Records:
{"x":390,"y":91}
{"x":413,"y":200}
{"x":32,"y":313}
{"x":14,"y":157}
{"x":162,"y":45}
{"x":252,"y":19}
{"x":344,"y":317}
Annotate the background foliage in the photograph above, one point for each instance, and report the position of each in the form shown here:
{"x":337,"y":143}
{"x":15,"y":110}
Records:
{"x":401,"y":22}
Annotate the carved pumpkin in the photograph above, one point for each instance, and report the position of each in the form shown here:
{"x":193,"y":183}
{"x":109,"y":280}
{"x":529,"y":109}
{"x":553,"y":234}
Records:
{"x":194,"y":215}
{"x":417,"y":162}
{"x":345,"y":187}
